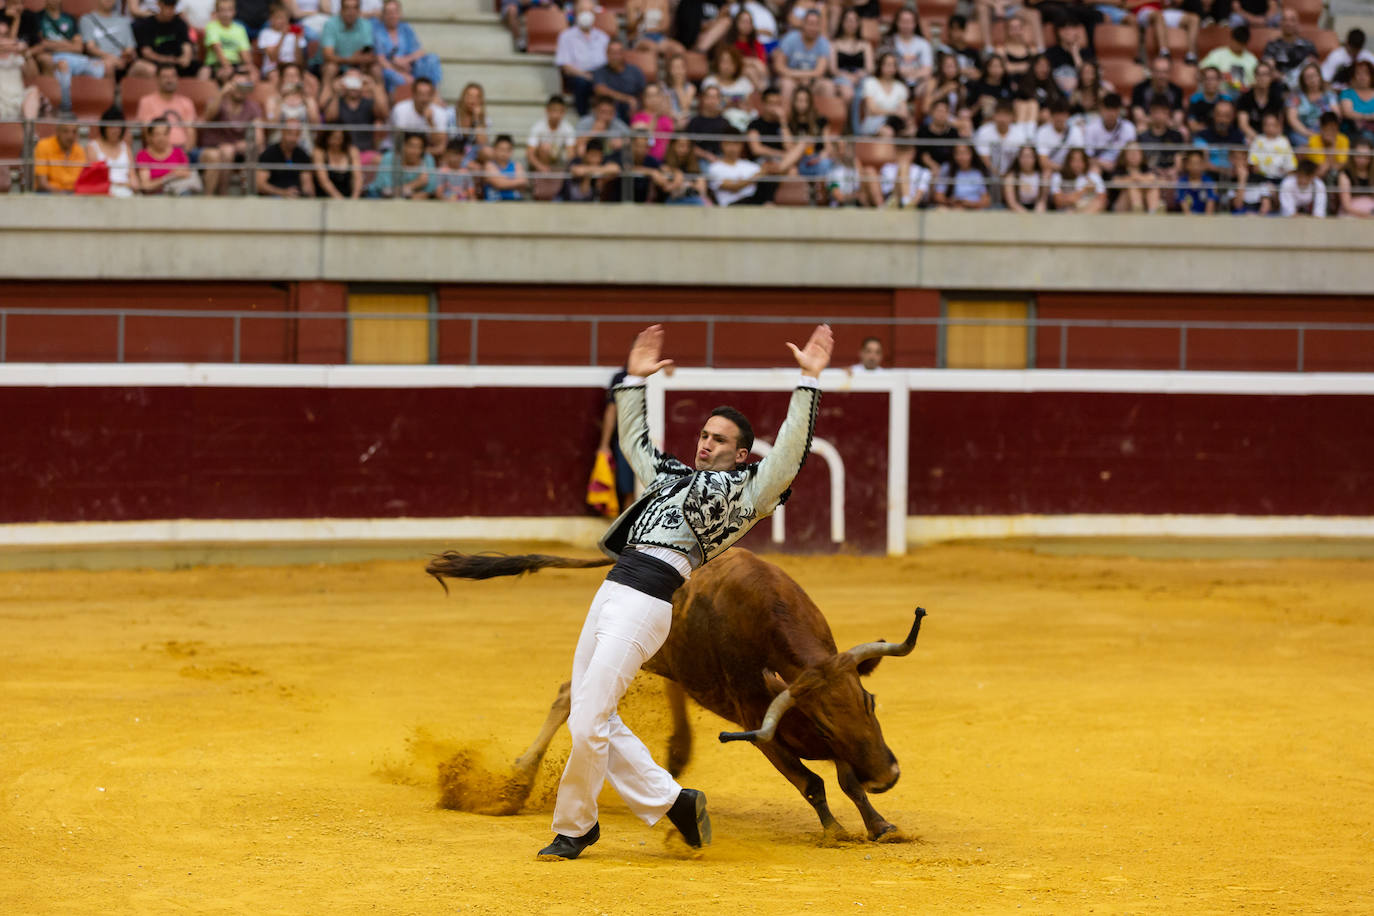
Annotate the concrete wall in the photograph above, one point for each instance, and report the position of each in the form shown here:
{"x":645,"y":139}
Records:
{"x":401,"y":241}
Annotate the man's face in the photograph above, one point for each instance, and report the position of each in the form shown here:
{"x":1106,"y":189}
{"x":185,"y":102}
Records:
{"x":871,"y":354}
{"x":167,"y":80}
{"x":1288,"y":24}
{"x":554,"y":113}
{"x":731,"y":149}
{"x":391,"y":15}
{"x":811,"y":27}
{"x":1211,"y":81}
{"x":710,"y":102}
{"x":349,"y":12}
{"x":1060,"y":120}
{"x":501,"y":152}
{"x":939,"y":115}
{"x":66,"y":135}
{"x":605,"y":112}
{"x":639,"y":147}
{"x":718,"y":446}
{"x":772,"y":107}
{"x":1159,"y":118}
{"x":615,"y":55}
{"x":1003,"y":120}
{"x":353,"y":91}
{"x":1159,"y":72}
{"x":1110,"y":116}
{"x":290,"y":136}
{"x":423,"y":94}
{"x":955,"y":35}
{"x":1222,"y":116}
{"x":166,"y":12}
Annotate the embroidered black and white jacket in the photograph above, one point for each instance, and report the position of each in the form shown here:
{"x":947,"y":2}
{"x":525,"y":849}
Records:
{"x":701,"y":513}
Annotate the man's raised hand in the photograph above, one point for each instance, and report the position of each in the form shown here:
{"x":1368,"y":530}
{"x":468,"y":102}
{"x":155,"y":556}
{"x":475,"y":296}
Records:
{"x":815,"y":356}
{"x":644,"y":354}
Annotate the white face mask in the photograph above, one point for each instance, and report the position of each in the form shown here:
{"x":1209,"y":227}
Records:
{"x":585,"y":19}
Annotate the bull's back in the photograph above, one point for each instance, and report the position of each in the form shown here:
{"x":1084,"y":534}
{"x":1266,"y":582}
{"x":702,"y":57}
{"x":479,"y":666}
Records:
{"x":737,"y":616}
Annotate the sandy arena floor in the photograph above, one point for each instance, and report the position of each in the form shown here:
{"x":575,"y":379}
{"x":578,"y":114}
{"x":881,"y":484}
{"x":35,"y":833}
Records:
{"x":1077,"y":734}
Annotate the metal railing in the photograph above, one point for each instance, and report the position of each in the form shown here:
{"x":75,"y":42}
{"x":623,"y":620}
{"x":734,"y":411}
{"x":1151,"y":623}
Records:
{"x":1034,"y":325}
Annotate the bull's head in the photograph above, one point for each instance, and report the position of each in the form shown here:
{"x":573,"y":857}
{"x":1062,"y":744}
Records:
{"x":839,"y":708}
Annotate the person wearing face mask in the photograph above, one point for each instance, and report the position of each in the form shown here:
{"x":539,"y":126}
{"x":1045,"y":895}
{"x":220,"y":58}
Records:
{"x":580,"y":53}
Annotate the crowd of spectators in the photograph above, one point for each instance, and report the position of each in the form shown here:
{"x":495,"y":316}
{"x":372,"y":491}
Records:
{"x":699,"y":103}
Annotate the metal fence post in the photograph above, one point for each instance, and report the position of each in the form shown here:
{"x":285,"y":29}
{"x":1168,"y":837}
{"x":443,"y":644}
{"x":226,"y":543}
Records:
{"x":1063,"y":346}
{"x":472,"y":345}
{"x":1183,"y":346}
{"x":4,"y":316}
{"x":237,"y":335}
{"x":594,"y":327}
{"x":26,"y":178}
{"x":1300,"y":348}
{"x":119,"y":338}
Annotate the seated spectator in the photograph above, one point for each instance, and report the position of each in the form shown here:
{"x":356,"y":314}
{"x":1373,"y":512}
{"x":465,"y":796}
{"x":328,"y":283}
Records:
{"x":426,"y":115}
{"x":580,"y":52}
{"x":252,"y":14}
{"x":416,"y":171}
{"x":164,"y":39}
{"x":707,"y":122}
{"x":1256,"y":14}
{"x":949,"y":84}
{"x":735,"y":88}
{"x":17,"y":101}
{"x":1265,"y":97}
{"x":223,"y":147}
{"x":338,"y":168}
{"x":1056,"y":137}
{"x":1024,"y":17}
{"x":1302,"y":193}
{"x":590,"y":173}
{"x":1290,"y":50}
{"x":1086,"y":98}
{"x":359,"y":102}
{"x":168,"y":105}
{"x":732,"y":178}
{"x":806,"y":128}
{"x":795,"y":15}
{"x":646,"y":24}
{"x":1270,"y":160}
{"x":1157,"y":87}
{"x":1329,"y":149}
{"x":164,"y":167}
{"x":1308,"y":103}
{"x":1357,"y":101}
{"x":293,"y":101}
{"x":511,"y":13}
{"x":682,"y":94}
{"x":504,"y":179}
{"x":1355,"y":183}
{"x":1024,"y":189}
{"x":552,"y":141}
{"x":472,"y":122}
{"x":1016,"y":49}
{"x":58,"y":160}
{"x":603,"y":123}
{"x":23,"y":23}
{"x":1036,"y":91}
{"x":453,"y":181}
{"x":620,"y":80}
{"x":680,"y":179}
{"x":999,"y":140}
{"x":310,"y":15}
{"x":884,"y":97}
{"x":226,"y":43}
{"x":910,"y":194}
{"x":1109,"y":134}
{"x":700,"y":24}
{"x":964,"y":182}
{"x":110,"y":145}
{"x":1234,"y":60}
{"x":1159,"y":15}
{"x":1201,"y":103}
{"x":753,"y":33}
{"x":769,"y":143}
{"x":280,"y":42}
{"x":109,"y":36}
{"x":62,"y":51}
{"x":1137,"y":187}
{"x":850,"y":184}
{"x":654,"y":117}
{"x":347,"y":44}
{"x":292,"y":175}
{"x":851,"y":58}
{"x":992,"y":87}
{"x":402,"y":57}
{"x":1336,"y":68}
{"x":915,"y":55}
{"x":802,"y":58}
{"x":1197,"y":190}
{"x":1068,"y":55}
{"x":1159,"y":133}
{"x":637,"y":170}
{"x":938,"y":136}
{"x":1077,"y":186}
{"x":956,"y":45}
{"x":1225,"y":158}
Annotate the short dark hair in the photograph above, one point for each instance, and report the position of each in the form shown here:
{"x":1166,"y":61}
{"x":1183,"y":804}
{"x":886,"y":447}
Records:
{"x":1159,"y":102}
{"x":456,"y":145}
{"x":957,"y":21}
{"x":414,"y":135}
{"x":602,"y":100}
{"x":1307,"y":167}
{"x":1355,"y":38}
{"x":421,"y":79}
{"x":1059,"y":105}
{"x":1241,"y":34}
{"x":771,"y":91}
{"x":746,"y":431}
{"x":1111,"y":100}
{"x":594,"y":144}
{"x":556,"y":99}
{"x":869,"y":340}
{"x":168,"y":65}
{"x":1004,"y":105}
{"x":503,"y":138}
{"x":1330,"y":117}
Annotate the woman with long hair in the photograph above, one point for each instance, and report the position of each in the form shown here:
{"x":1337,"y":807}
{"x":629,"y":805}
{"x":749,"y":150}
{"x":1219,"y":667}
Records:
{"x":474,"y":125}
{"x":948,"y":83}
{"x":162,"y":167}
{"x":963,"y":183}
{"x":727,"y":75}
{"x":992,"y":86}
{"x":915,"y":55}
{"x":1024,"y":188}
{"x":111,"y":146}
{"x":1037,"y":89}
{"x":1086,"y":100}
{"x":1355,"y":183}
{"x":680,"y":179}
{"x":1357,"y":100}
{"x":851,"y":58}
{"x":1308,"y":103}
{"x":1077,"y":187}
{"x":884,"y":98}
{"x":1015,"y":49}
{"x":682,"y":94}
{"x":803,"y":122}
{"x":744,"y":38}
{"x":338,"y":168}
{"x":654,"y":118}
{"x":1137,"y":186}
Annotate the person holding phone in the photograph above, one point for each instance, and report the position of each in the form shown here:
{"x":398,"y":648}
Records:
{"x":347,"y":44}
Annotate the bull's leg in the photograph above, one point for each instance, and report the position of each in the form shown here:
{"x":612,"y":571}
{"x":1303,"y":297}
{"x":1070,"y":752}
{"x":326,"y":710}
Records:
{"x":811,"y":786}
{"x":680,"y":742}
{"x":527,"y":764}
{"x":878,"y":826}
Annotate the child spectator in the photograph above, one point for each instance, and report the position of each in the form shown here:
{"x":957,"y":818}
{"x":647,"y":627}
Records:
{"x":416,"y":171}
{"x":845,"y":185}
{"x":1329,"y":149}
{"x":733,"y":178}
{"x":1157,"y":137}
{"x":1302,"y":194}
{"x":1197,"y":190}
{"x":1233,"y":60}
{"x":552,"y":139}
{"x":590,"y":172}
{"x":1137,"y":187}
{"x":226,"y":43}
{"x":916,"y":191}
{"x":505,"y":179}
{"x":280,"y":42}
{"x":1271,"y":157}
{"x":452,"y":182}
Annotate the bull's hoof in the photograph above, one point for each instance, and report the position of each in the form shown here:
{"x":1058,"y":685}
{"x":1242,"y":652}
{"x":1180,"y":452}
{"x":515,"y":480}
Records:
{"x":888,"y":833}
{"x":679,"y":754}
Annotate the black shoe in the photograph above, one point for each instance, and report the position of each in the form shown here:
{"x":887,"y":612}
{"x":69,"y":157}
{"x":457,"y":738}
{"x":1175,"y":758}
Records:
{"x":689,"y":816}
{"x":570,"y":847}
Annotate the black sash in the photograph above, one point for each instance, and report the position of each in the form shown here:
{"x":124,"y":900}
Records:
{"x":646,"y":574}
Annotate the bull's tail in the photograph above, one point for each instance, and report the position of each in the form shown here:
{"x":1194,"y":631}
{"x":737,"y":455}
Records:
{"x":452,"y":564}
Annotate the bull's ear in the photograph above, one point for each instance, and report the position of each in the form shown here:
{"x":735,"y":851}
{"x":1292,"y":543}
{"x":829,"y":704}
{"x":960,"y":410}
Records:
{"x":866,"y":666}
{"x":774,"y":682}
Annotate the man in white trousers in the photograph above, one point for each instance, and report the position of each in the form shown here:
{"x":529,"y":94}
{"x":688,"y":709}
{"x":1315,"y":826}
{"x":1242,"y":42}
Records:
{"x":686,"y":517}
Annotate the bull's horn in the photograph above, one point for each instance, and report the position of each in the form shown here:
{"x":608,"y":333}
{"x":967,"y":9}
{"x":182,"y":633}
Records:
{"x":781,"y":703}
{"x":867,"y":650}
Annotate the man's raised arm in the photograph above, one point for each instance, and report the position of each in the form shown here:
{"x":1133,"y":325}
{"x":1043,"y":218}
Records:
{"x":632,"y":422}
{"x":776,"y":472}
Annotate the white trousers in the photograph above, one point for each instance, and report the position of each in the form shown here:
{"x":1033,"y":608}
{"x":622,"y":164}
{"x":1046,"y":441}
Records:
{"x":624,"y":629}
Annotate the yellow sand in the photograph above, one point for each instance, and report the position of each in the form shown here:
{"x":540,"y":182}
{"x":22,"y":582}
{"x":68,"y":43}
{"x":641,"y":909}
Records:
{"x":1077,"y":734}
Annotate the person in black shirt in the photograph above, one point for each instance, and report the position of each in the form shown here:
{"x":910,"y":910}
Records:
{"x":163,"y":38}
{"x":1158,"y":131}
{"x":1266,"y":96}
{"x":707,"y":121}
{"x":253,"y":14}
{"x":937,"y":127}
{"x":636,"y":169}
{"x":1157,"y":87}
{"x":768,"y":141}
{"x":992,"y":86}
{"x":24,"y":24}
{"x":286,"y":182}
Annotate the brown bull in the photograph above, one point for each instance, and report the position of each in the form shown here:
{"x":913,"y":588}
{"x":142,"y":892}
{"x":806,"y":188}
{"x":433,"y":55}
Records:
{"x":748,"y":644}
